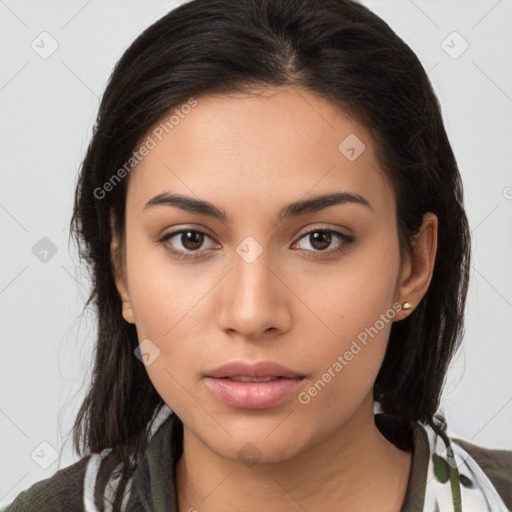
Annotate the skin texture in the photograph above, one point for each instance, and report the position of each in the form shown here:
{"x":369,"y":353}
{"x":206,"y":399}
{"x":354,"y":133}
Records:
{"x":250,"y":155}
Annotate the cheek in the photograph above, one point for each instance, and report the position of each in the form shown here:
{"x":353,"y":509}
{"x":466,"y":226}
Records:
{"x":352,"y":296}
{"x":353,"y":314}
{"x":345,"y":364}
{"x":162,"y":293}
{"x":171,"y":308}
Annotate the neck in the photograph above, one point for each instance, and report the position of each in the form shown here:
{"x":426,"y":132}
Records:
{"x":343,"y":472}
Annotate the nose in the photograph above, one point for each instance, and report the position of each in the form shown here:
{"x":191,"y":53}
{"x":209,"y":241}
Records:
{"x":255,"y":300}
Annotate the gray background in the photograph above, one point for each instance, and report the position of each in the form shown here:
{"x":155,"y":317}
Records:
{"x":48,"y":108}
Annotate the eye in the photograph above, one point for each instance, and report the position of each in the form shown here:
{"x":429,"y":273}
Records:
{"x":191,"y":240}
{"x":320,"y":239}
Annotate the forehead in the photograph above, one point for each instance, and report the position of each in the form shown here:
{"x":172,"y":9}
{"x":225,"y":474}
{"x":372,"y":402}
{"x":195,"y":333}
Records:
{"x":258,"y":148}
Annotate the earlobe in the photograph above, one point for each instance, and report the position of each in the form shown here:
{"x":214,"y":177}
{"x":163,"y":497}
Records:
{"x":120,"y":281}
{"x":418,"y":268}
{"x":128,"y":312}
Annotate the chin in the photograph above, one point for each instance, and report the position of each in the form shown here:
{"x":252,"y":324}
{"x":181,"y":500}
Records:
{"x":263,"y":444}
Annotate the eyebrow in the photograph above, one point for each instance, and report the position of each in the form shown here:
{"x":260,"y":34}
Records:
{"x":294,"y":209}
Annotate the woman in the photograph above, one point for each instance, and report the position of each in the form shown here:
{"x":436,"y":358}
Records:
{"x":274,"y":221}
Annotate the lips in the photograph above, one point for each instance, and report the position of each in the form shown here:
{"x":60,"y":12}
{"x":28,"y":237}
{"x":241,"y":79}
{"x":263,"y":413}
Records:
{"x":261,"y":369}
{"x":253,"y":386}
{"x":244,"y":378}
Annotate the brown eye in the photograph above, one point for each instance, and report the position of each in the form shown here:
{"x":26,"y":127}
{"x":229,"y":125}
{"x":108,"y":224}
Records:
{"x":185,"y":243}
{"x":192,"y":240}
{"x":321,"y":239}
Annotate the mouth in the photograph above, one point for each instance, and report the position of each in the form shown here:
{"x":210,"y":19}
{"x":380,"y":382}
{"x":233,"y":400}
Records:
{"x":245,"y":378}
{"x":262,"y":385}
{"x":260,"y":370}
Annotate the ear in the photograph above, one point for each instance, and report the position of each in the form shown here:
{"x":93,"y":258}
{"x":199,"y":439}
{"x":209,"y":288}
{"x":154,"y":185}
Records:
{"x":120,"y":275}
{"x":417,"y":266}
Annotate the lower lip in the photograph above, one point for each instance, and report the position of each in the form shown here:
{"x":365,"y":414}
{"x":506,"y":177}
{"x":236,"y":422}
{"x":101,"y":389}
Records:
{"x":253,"y":395}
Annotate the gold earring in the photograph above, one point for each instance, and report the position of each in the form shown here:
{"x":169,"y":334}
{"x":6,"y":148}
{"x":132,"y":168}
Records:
{"x":406,"y":305}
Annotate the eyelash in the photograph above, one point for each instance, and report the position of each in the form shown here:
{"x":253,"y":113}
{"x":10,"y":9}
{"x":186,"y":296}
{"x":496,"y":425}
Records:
{"x":346,"y":239}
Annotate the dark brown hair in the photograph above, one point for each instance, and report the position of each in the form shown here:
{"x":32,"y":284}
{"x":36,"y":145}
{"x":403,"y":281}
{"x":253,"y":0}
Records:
{"x":343,"y":52}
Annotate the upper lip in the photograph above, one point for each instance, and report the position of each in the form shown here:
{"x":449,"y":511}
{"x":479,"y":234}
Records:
{"x":259,"y":369}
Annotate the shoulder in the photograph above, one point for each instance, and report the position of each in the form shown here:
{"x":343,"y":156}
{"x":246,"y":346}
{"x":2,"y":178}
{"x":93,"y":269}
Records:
{"x":61,"y":492}
{"x":496,"y":464}
{"x":462,"y":472}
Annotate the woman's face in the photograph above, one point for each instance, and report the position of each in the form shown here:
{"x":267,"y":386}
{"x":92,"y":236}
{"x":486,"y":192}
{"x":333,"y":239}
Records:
{"x":256,"y":287}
